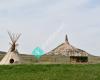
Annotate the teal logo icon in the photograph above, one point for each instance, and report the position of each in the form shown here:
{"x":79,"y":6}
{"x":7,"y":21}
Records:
{"x":38,"y":52}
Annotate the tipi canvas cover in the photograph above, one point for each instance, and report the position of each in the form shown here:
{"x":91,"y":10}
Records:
{"x":11,"y":58}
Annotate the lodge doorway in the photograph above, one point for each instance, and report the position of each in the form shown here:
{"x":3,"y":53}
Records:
{"x":79,"y":59}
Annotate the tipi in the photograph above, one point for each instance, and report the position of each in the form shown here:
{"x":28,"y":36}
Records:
{"x":12,"y":56}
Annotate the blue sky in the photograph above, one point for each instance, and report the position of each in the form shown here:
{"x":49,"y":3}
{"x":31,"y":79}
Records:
{"x":44,"y":23}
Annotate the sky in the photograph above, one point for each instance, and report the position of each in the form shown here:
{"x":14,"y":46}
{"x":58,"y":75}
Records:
{"x":44,"y":23}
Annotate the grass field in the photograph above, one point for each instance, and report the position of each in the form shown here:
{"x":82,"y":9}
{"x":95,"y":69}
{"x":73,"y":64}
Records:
{"x":50,"y":72}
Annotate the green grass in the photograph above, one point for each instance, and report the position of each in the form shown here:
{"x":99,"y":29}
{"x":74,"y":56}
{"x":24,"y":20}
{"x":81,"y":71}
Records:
{"x":50,"y":72}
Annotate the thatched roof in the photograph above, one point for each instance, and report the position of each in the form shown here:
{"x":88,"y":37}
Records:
{"x":67,"y":49}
